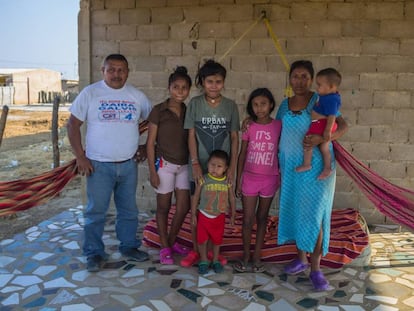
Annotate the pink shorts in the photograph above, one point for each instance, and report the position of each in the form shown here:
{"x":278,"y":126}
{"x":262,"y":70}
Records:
{"x":264,"y":186}
{"x":172,"y":176}
{"x":210,"y":228}
{"x":318,"y":126}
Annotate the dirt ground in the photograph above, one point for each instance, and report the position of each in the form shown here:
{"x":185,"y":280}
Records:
{"x":26,"y":152}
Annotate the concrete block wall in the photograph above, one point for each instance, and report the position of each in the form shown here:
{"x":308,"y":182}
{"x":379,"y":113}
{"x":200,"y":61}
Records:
{"x":370,"y":42}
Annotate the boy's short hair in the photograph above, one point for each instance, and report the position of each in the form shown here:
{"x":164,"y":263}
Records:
{"x":332,"y":75}
{"x":220,"y":154}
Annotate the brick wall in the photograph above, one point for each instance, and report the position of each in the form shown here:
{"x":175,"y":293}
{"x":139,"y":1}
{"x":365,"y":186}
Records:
{"x":370,"y":42}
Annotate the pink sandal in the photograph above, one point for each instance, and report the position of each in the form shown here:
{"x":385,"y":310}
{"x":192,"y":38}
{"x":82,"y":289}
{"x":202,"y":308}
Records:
{"x":166,"y":257}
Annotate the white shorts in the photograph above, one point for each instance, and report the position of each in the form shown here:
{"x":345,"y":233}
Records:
{"x":172,"y":176}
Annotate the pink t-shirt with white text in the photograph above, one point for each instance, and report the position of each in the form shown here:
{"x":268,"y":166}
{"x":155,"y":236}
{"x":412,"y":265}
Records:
{"x":262,"y":149}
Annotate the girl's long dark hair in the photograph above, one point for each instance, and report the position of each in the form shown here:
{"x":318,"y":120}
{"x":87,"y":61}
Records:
{"x":259,"y":92}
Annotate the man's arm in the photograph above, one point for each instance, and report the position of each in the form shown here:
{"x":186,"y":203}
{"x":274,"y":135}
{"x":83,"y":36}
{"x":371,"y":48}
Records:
{"x":75,"y":138}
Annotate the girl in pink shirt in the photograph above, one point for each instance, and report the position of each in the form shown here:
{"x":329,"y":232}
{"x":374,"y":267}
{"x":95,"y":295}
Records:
{"x":257,"y":173}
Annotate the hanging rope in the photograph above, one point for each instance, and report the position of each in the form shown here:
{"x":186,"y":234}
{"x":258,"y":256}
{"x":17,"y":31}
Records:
{"x":288,"y":89}
{"x":241,"y":37}
{"x":276,"y":44}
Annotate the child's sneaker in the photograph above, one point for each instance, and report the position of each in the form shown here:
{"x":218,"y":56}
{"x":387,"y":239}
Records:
{"x":191,"y":259}
{"x":203,"y":267}
{"x":217,"y":267}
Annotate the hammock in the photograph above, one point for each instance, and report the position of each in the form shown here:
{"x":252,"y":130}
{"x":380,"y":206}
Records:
{"x":349,"y":238}
{"x":20,"y":195}
{"x":393,"y":201}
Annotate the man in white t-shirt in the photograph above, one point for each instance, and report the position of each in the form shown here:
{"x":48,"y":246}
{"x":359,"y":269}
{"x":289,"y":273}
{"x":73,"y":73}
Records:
{"x":112,"y":110}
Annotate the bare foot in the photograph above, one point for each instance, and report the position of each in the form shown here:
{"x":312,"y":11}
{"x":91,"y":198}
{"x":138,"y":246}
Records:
{"x":325,"y":174}
{"x":303,"y":168}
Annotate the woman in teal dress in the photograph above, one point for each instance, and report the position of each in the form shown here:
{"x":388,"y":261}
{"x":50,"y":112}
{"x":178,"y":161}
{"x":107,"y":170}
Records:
{"x":305,"y":201}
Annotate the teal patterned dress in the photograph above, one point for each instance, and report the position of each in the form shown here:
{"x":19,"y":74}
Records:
{"x":305,"y":201}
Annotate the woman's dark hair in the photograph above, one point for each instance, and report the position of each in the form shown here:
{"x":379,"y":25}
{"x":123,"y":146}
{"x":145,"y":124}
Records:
{"x":259,"y":92}
{"x":180,"y":73}
{"x":220,"y":154}
{"x":306,"y":64}
{"x":210,"y":68}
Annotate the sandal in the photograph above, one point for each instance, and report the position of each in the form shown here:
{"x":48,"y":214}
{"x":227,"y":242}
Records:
{"x":217,"y":267}
{"x":240,"y":267}
{"x":180,"y":250}
{"x":191,"y":259}
{"x":165,"y":256}
{"x":258,"y":267}
{"x":296,"y":266}
{"x":203,"y":267}
{"x":221,"y":258}
{"x":318,"y":281}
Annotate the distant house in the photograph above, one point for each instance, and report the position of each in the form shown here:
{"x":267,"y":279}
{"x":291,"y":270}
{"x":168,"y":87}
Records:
{"x":28,"y":86}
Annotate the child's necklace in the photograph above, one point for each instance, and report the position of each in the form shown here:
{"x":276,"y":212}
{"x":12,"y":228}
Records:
{"x":212,"y":100}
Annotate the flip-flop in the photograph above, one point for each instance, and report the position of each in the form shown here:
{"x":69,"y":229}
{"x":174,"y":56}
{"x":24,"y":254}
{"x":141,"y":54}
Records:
{"x":258,"y":267}
{"x":240,"y":267}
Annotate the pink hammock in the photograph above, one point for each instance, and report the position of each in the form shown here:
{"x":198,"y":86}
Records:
{"x":393,"y":201}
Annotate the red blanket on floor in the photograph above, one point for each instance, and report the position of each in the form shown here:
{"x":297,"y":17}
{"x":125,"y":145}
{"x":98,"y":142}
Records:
{"x":349,"y":237}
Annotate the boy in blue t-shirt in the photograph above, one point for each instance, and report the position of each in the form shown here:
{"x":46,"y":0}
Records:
{"x":323,"y":118}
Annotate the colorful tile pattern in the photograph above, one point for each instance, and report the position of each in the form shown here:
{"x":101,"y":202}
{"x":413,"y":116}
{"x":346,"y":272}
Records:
{"x":43,"y":269}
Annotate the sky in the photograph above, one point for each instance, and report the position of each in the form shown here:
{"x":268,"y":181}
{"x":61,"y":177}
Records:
{"x":40,"y":34}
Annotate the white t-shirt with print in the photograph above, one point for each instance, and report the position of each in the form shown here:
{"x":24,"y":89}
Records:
{"x":112,"y":117}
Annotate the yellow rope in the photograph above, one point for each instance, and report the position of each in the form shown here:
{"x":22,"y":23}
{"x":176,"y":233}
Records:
{"x":288,"y":90}
{"x":276,"y":43}
{"x":241,"y":37}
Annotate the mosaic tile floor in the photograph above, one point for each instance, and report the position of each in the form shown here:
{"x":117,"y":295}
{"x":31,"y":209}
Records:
{"x":43,"y":269}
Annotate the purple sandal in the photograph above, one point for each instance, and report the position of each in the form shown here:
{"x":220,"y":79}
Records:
{"x":295,"y":267}
{"x":318,"y":281}
{"x":180,"y":250}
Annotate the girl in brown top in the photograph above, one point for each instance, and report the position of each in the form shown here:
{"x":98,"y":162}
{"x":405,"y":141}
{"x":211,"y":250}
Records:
{"x":167,"y":153}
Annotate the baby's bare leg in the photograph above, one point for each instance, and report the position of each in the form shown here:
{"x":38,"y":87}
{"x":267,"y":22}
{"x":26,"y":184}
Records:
{"x":307,"y":158}
{"x":326,"y":155}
